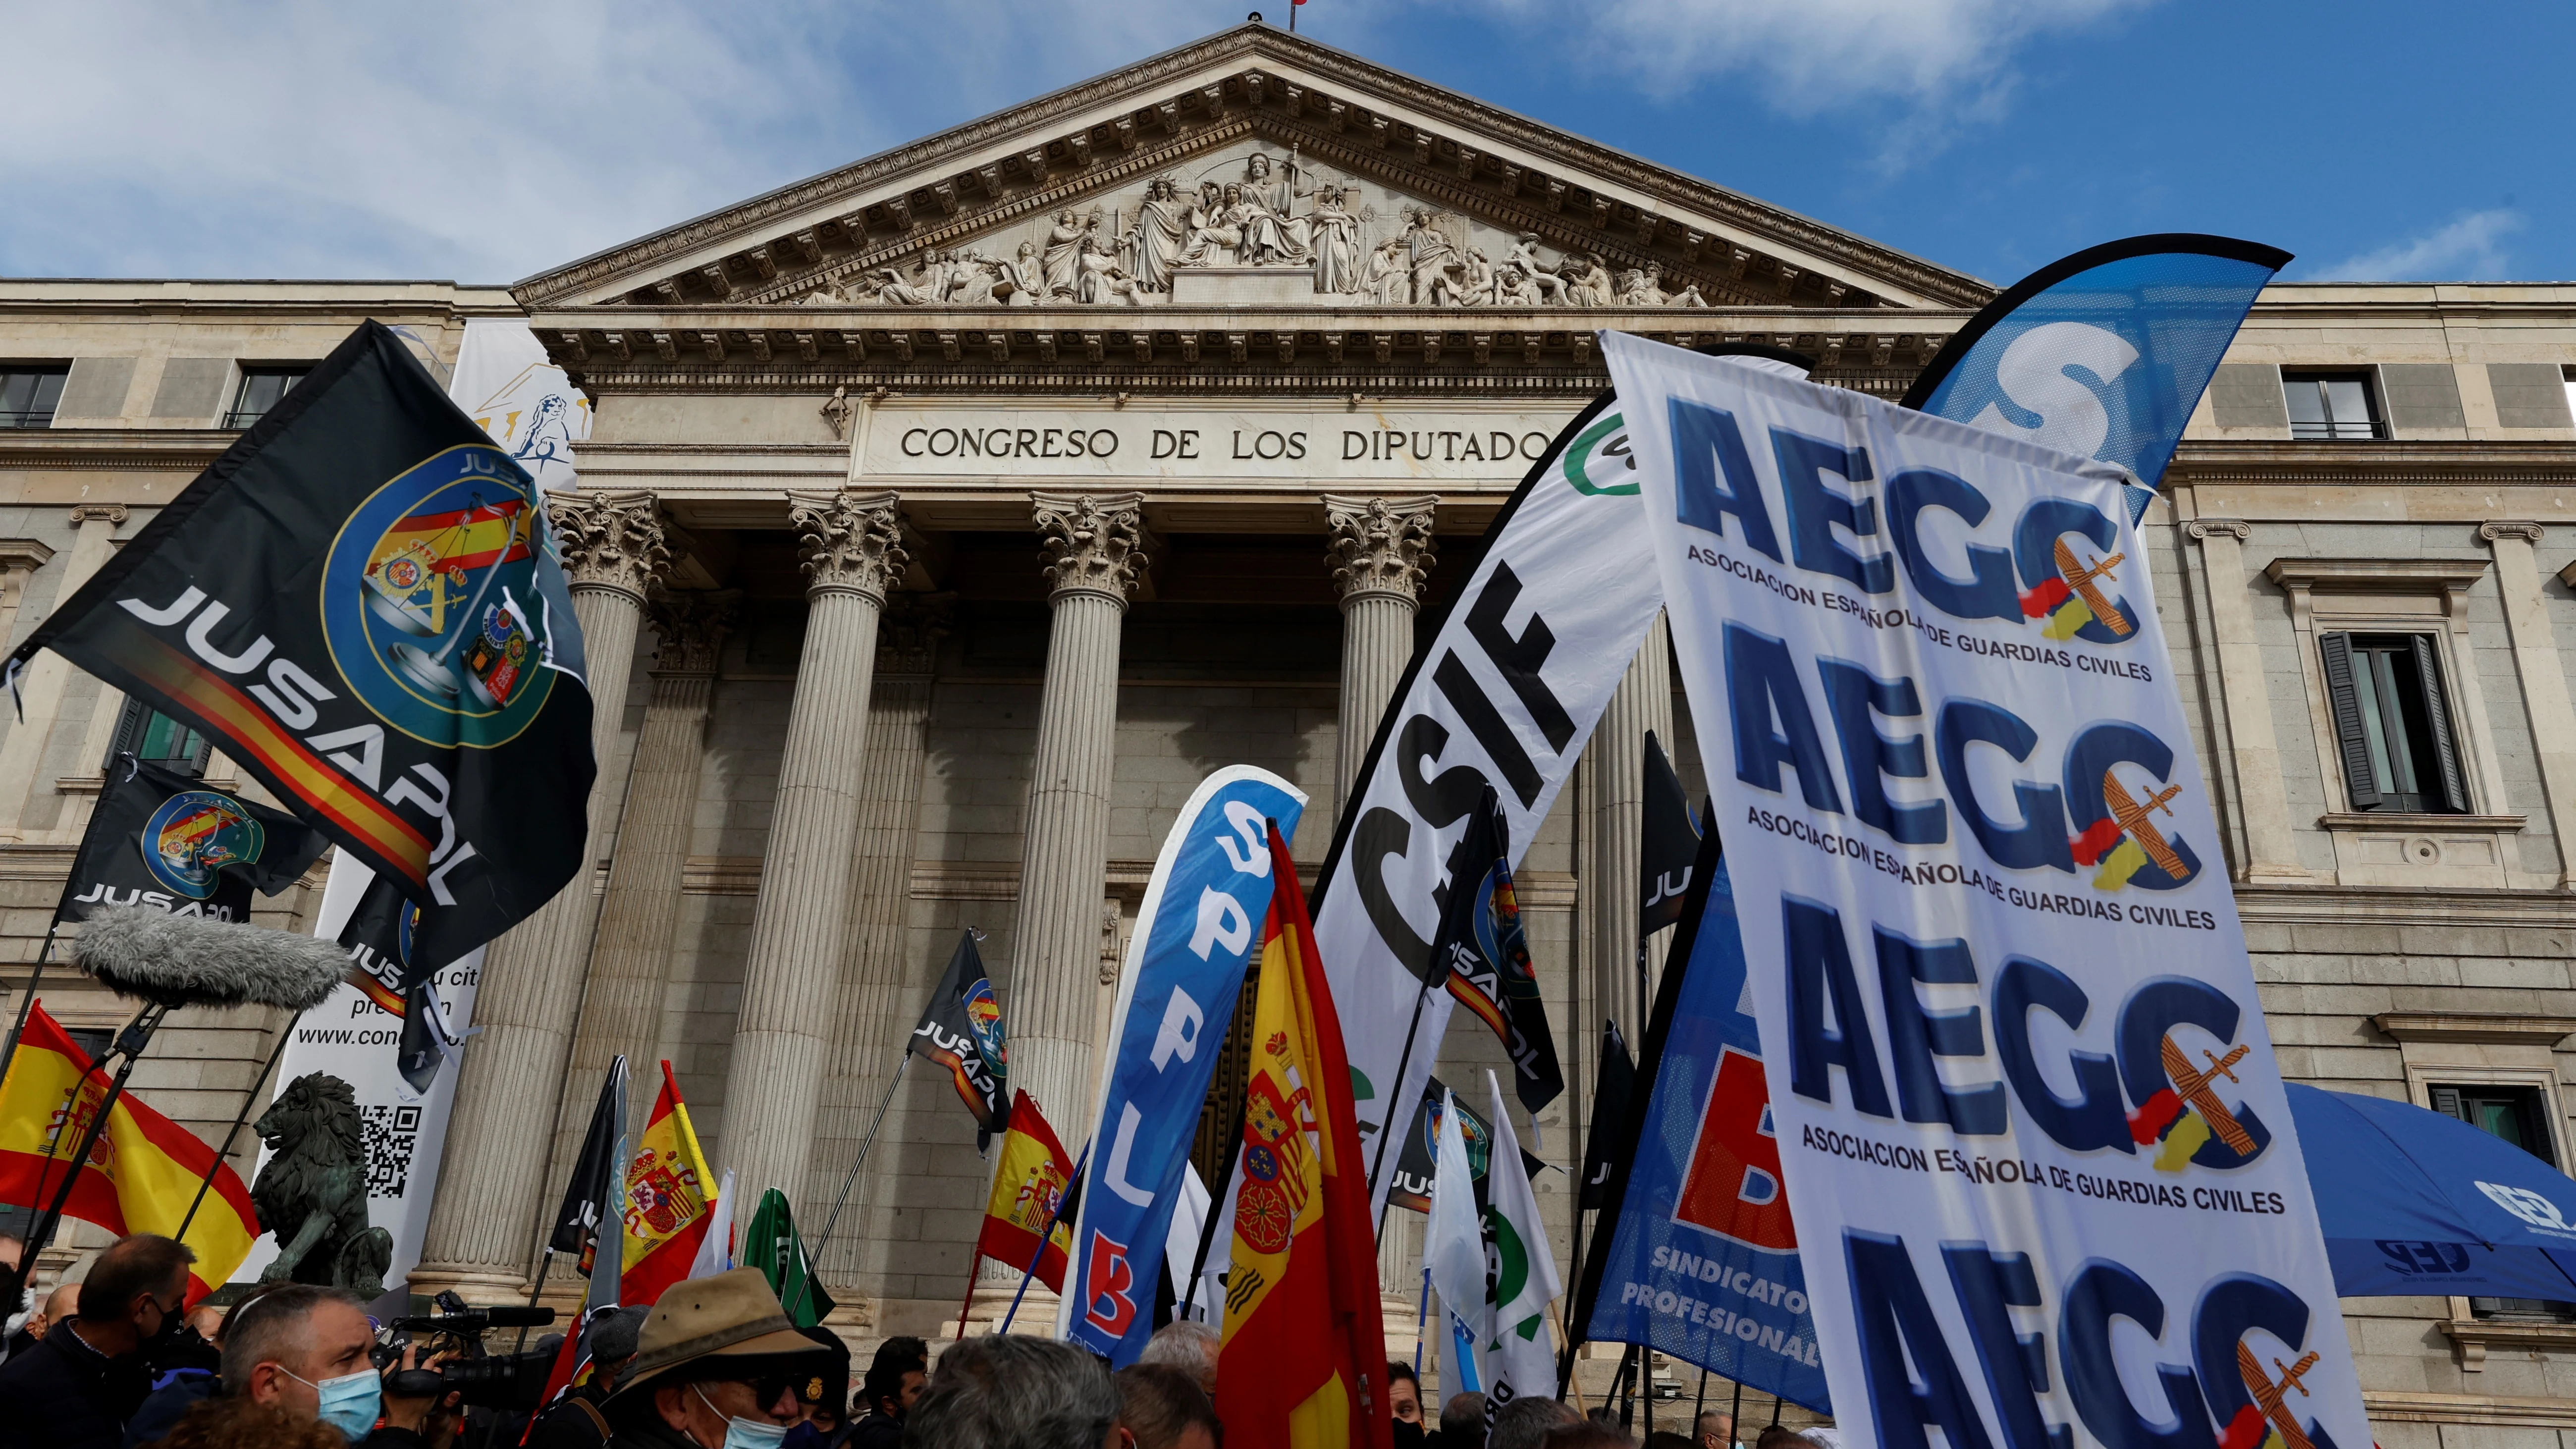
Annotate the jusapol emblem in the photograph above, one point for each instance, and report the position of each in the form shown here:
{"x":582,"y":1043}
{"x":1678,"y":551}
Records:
{"x":427,"y":597}
{"x":984,"y":1019}
{"x":192,"y":836}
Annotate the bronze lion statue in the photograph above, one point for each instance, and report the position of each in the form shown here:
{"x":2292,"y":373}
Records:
{"x":313,"y":1192}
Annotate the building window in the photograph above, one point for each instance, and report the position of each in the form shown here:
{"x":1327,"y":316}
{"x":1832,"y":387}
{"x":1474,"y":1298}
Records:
{"x":261,"y":388}
{"x":2519,"y":1115}
{"x":2332,"y":406}
{"x":157,"y":739}
{"x":2393,"y":724}
{"x":29,"y":394}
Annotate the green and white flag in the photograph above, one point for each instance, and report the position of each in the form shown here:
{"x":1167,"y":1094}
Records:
{"x":770,"y":1244}
{"x":1520,"y":1274}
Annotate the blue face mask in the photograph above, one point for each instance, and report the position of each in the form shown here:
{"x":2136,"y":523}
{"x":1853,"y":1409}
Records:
{"x":351,"y":1403}
{"x":747,"y":1433}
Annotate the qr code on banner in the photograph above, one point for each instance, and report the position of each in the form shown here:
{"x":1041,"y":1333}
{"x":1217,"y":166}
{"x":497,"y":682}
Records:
{"x":392,"y":1132}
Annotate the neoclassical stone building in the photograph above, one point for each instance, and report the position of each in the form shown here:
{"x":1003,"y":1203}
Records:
{"x":948,"y":516}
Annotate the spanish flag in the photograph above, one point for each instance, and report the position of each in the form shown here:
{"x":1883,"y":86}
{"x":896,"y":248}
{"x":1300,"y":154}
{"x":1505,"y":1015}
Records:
{"x":668,"y":1201}
{"x":141,"y":1176}
{"x":1029,"y":1188}
{"x":1303,"y":1357}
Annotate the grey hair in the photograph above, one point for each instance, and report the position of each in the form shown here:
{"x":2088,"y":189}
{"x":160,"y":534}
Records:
{"x":1524,"y":1422}
{"x":1015,"y":1393}
{"x":1185,"y":1344}
{"x":277,"y":1327}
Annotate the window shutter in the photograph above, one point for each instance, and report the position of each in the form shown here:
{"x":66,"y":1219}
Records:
{"x":129,"y":730}
{"x":2346,"y":704}
{"x":2428,"y":668}
{"x":2446,"y":1100}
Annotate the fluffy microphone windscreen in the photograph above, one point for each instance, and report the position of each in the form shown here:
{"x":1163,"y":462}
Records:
{"x":191,"y":961}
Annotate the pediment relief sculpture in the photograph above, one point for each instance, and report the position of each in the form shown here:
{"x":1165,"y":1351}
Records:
{"x":1282,"y":218}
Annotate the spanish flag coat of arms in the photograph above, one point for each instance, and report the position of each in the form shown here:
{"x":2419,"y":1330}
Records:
{"x":668,"y":1201}
{"x":1303,"y":1360}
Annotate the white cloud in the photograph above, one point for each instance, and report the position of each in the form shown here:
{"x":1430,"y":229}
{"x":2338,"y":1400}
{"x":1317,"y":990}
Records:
{"x":2466,"y":250}
{"x":483,"y":139}
{"x":1813,"y":55}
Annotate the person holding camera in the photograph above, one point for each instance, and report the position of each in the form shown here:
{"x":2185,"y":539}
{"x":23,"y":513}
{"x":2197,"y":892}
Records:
{"x":308,"y":1353}
{"x":717,"y":1367}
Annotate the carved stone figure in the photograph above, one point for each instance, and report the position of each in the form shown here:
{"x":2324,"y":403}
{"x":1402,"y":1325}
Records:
{"x":1333,"y":233}
{"x":1387,"y":280}
{"x":313,"y":1192}
{"x":1473,"y":285}
{"x":1064,"y":254}
{"x":1271,"y":236}
{"x":1103,"y":280}
{"x":1533,"y":276}
{"x":1429,"y":255}
{"x":1023,"y":280}
{"x":1587,"y":285}
{"x":1162,"y":233}
{"x":1218,"y":239}
{"x":836,"y":411}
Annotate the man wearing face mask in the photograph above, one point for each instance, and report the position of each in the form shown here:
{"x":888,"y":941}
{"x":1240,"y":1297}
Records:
{"x":76,"y":1388}
{"x":308,"y":1353}
{"x":717,"y":1367}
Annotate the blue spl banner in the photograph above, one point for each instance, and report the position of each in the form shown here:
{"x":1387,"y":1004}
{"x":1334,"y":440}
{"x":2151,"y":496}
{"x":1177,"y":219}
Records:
{"x":1195,"y":932}
{"x":2104,"y":353}
{"x":1702,"y":1263}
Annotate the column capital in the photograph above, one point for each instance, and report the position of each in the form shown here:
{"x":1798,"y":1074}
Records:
{"x":852,"y":542}
{"x":611,"y":542}
{"x":2203,"y":528}
{"x":1380,"y":547}
{"x":2523,"y":529}
{"x":1096,"y":543}
{"x":689,"y":626}
{"x":909,"y":631}
{"x":103,"y":512}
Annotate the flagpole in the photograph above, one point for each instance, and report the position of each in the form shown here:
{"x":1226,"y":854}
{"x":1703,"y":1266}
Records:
{"x":1387,"y":1132}
{"x":18,"y":1028}
{"x":283,"y":1036}
{"x":1216,"y":1200}
{"x":851,"y":1178}
{"x":1054,"y":1216}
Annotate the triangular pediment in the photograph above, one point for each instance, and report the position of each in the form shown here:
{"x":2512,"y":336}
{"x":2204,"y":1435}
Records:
{"x":1372,"y":189}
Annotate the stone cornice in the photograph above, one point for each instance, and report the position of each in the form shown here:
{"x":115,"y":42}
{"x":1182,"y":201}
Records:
{"x":2475,"y":1026}
{"x":918,"y":167}
{"x":2376,"y":575}
{"x":2415,"y":906}
{"x":2308,"y":464}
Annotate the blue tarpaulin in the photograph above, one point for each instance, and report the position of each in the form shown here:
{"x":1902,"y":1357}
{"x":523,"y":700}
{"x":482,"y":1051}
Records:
{"x":2416,"y":1203}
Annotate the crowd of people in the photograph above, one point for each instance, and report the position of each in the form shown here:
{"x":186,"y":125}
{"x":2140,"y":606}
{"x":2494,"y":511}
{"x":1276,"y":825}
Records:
{"x":119,"y":1361}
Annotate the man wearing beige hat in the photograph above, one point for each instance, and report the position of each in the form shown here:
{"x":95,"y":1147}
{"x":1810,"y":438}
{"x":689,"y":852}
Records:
{"x":717,"y":1367}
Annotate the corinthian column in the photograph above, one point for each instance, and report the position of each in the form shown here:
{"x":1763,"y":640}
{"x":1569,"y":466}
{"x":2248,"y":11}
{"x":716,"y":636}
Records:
{"x":1611,"y":892}
{"x":883,"y":997}
{"x":1380,"y":550}
{"x":853,"y":544}
{"x":492,"y":1182}
{"x":621,"y":1004}
{"x":1096,"y":547}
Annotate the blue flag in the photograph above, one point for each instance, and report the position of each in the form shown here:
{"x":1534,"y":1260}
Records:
{"x":1698,"y":1259}
{"x":2104,"y":353}
{"x":1196,"y":930}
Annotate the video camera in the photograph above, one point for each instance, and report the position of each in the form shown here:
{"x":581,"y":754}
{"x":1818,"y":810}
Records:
{"x":507,"y":1381}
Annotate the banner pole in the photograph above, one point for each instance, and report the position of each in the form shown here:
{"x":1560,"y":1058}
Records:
{"x":34,"y":978}
{"x":1054,"y":1216}
{"x":130,"y":1042}
{"x":852,"y":1177}
{"x":284,"y":1035}
{"x":1216,"y":1199}
{"x":1421,"y":1324}
{"x":1387,"y":1132}
{"x":1734,"y":1414}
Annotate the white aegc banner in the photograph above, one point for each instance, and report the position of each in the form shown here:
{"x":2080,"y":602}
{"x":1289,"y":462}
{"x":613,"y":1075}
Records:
{"x":2038,"y":1154}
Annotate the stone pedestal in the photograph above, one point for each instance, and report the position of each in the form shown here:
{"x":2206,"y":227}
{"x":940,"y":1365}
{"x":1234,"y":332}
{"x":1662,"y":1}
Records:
{"x":791,"y":982}
{"x":1096,"y":548}
{"x":1380,"y":549}
{"x":493,"y":1185}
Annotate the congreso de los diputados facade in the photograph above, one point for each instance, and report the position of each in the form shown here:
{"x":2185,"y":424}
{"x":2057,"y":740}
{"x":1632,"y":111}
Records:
{"x":995,"y":489}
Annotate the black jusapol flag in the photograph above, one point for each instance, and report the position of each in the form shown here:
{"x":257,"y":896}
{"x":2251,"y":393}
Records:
{"x":1610,"y":1092}
{"x":159,"y":838}
{"x":1481,"y":947}
{"x":361,"y":602}
{"x":1666,"y":846}
{"x":590,"y":1197}
{"x":383,"y":938}
{"x":961,"y":1030}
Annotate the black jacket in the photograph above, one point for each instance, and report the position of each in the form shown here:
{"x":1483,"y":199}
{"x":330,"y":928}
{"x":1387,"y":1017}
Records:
{"x":173,"y":1395}
{"x":567,"y":1426}
{"x":64,"y":1394}
{"x":877,"y":1430}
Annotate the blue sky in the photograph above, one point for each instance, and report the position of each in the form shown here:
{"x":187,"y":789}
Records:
{"x":484,"y":141}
